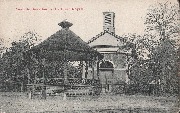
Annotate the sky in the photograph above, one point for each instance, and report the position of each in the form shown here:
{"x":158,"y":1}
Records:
{"x":21,"y":16}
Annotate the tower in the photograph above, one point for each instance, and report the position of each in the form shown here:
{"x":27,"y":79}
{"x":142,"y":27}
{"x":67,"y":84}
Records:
{"x":108,"y":24}
{"x":112,"y":68}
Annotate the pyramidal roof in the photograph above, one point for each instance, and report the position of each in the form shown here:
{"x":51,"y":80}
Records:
{"x":65,"y":43}
{"x":64,"y":39}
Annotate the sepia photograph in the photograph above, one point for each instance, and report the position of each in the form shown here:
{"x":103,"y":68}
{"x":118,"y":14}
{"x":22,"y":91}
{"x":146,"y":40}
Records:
{"x":89,"y":56}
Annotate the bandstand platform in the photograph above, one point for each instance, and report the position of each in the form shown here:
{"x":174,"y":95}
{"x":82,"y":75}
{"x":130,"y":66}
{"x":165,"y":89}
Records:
{"x":65,"y":46}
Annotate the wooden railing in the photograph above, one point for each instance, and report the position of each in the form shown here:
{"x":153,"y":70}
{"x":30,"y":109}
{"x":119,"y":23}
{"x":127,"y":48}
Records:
{"x":71,"y":81}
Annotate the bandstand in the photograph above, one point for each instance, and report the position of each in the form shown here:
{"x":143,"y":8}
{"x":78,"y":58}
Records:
{"x":66,"y":47}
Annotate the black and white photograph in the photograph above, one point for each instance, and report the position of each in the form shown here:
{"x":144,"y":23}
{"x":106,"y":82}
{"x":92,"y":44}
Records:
{"x":89,"y":56}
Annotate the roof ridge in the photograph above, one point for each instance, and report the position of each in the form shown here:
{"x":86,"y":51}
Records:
{"x":96,"y":37}
{"x":102,"y":33}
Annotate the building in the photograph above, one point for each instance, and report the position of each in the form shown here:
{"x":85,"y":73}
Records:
{"x":113,"y":67}
{"x":58,"y":52}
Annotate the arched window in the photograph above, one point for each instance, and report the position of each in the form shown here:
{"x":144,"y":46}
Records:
{"x":106,"y":65}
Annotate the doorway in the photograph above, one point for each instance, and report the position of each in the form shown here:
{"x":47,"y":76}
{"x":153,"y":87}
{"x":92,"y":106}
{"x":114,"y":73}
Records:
{"x":106,"y":72}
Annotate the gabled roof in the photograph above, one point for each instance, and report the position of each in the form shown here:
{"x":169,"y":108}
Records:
{"x":107,"y":42}
{"x":106,"y":38}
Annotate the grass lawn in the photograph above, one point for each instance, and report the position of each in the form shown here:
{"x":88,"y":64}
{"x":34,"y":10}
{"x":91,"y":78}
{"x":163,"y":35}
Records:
{"x":19,"y":103}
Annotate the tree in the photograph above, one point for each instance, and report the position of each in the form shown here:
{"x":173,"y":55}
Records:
{"x":14,"y":65}
{"x":139,"y":73}
{"x":20,"y":66}
{"x":154,"y":54}
{"x":139,"y":47}
{"x":162,"y":23}
{"x":2,"y":46}
{"x":2,"y":49}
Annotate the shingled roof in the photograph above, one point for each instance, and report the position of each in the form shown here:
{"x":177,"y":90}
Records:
{"x":102,"y":33}
{"x":65,"y":44}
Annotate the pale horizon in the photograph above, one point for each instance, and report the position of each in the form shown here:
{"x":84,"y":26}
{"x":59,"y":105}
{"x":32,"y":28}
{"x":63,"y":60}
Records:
{"x":87,"y":23}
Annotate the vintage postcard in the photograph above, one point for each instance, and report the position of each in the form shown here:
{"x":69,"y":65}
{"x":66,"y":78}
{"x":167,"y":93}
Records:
{"x":89,"y":56}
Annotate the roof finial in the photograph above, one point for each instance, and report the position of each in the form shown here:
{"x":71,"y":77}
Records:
{"x":65,"y":24}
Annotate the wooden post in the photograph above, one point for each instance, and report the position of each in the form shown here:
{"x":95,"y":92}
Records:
{"x":43,"y":92}
{"x":29,"y":93}
{"x":83,"y":69}
{"x":98,"y":69}
{"x":28,"y":75}
{"x":65,"y":60}
{"x":64,"y":96}
{"x":93,"y":69}
{"x":86,"y":68}
{"x":22,"y":86}
{"x":65,"y":73}
{"x":33,"y":90}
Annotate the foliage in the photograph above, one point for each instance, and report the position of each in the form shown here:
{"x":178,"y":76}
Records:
{"x":164,"y":65}
{"x":138,"y":62}
{"x":163,"y":22}
{"x":20,"y":66}
{"x":13,"y":63}
{"x":154,"y":55}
